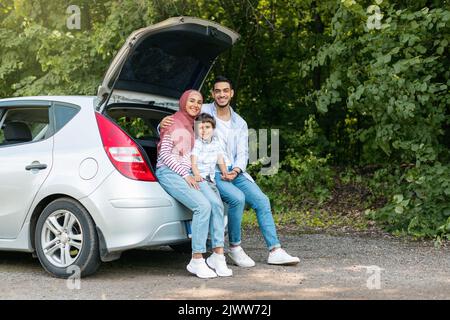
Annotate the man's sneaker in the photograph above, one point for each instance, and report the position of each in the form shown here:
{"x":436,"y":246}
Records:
{"x":281,"y":257}
{"x":200,"y":269}
{"x":219,"y":265}
{"x":240,"y":258}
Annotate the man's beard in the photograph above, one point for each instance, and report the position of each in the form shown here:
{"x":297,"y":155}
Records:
{"x":224,"y":105}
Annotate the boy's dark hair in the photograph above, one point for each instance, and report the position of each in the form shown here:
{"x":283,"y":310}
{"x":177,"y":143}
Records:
{"x":205,"y":118}
{"x":223,"y":79}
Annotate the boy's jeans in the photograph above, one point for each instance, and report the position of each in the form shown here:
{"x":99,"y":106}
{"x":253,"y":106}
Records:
{"x":206,"y":206}
{"x":238,"y":192}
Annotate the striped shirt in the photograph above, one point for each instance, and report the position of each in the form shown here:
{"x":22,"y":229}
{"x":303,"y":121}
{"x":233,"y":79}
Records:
{"x":174,"y":161}
{"x":207,"y":153}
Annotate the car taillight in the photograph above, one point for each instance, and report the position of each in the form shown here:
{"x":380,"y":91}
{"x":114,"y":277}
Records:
{"x":123,"y":151}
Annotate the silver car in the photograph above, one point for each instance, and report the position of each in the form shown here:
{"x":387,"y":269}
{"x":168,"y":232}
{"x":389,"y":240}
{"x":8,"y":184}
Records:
{"x":77,"y":183}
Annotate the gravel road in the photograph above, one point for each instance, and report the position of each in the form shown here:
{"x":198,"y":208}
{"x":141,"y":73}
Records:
{"x":332,"y":267}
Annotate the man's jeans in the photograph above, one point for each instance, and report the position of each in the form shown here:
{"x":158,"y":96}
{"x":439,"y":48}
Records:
{"x":205,"y":204}
{"x":238,"y":192}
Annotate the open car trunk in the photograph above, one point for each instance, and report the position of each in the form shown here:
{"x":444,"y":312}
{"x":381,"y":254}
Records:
{"x":158,"y":63}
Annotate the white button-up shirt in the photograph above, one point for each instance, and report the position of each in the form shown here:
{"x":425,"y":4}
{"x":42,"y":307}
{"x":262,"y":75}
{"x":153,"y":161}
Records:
{"x":207,"y":154}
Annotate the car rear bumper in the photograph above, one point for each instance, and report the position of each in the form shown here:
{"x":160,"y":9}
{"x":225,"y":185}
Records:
{"x":132,"y":214}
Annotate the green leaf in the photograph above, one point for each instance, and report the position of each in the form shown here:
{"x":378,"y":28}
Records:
{"x":398,"y":198}
{"x":399,"y":209}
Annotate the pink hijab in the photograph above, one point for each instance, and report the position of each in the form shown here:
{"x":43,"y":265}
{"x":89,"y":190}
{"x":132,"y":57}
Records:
{"x":182,"y":130}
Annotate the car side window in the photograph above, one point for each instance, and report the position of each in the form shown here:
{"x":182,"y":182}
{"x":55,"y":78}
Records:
{"x":63,"y":114}
{"x":24,"y":124}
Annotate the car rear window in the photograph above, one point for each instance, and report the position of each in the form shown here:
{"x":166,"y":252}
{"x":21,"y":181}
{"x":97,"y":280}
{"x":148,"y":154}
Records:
{"x":63,"y":114}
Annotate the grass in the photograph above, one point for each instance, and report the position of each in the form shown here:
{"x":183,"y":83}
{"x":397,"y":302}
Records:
{"x":314,"y":221}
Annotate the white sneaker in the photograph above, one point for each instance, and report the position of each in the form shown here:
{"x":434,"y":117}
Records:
{"x":219,"y":265}
{"x":200,"y":269}
{"x":240,"y":258}
{"x":281,"y":257}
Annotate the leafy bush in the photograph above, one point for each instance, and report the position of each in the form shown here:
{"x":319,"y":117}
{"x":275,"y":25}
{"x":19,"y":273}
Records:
{"x":420,"y":205}
{"x":393,"y":82}
{"x":308,"y":187}
{"x":305,"y":178}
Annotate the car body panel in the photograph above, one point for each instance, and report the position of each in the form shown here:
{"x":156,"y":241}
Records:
{"x":130,"y":213}
{"x":18,"y":186}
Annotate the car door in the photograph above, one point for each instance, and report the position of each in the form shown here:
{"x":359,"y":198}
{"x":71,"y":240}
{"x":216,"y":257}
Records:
{"x":26,"y":147}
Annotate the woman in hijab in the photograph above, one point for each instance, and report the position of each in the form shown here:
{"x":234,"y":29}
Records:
{"x":173,"y":170}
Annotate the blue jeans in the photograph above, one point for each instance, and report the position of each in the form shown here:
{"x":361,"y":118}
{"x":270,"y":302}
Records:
{"x":206,"y":206}
{"x":238,"y":192}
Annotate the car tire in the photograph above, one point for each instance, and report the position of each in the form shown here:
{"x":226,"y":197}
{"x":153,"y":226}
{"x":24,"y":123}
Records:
{"x":185,"y":247}
{"x":68,"y":235}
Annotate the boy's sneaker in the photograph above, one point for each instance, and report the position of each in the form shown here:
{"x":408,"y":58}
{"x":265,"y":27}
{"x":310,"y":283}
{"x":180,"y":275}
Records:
{"x":219,"y":265}
{"x":281,"y":257}
{"x":200,"y":269}
{"x":240,"y":258}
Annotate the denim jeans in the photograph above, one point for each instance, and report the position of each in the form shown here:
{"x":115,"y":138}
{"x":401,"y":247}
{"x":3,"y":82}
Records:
{"x":206,"y":206}
{"x":238,"y":192}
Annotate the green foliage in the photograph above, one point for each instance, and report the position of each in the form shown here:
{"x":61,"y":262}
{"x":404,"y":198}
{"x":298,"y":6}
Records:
{"x":41,"y":56}
{"x":419,"y":202}
{"x":386,"y":91}
{"x":394,"y":81}
{"x":305,"y":178}
{"x":136,"y":127}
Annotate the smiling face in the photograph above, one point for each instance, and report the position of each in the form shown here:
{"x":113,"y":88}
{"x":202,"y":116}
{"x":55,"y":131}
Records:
{"x":205,"y":130}
{"x":194,"y":104}
{"x":222,"y":94}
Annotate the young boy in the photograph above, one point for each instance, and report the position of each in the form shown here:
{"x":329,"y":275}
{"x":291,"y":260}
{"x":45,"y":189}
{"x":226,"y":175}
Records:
{"x":207,"y":152}
{"x":205,"y":155}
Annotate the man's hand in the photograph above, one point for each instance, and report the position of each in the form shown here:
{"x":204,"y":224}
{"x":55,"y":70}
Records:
{"x":166,"y":122}
{"x":229,"y":176}
{"x":191,"y":182}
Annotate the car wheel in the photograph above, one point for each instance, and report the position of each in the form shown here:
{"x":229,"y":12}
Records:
{"x":66,"y":239}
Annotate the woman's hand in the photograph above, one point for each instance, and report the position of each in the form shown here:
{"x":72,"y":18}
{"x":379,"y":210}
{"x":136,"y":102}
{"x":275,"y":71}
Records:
{"x":191,"y":182}
{"x":166,"y":122}
{"x":198,"y":178}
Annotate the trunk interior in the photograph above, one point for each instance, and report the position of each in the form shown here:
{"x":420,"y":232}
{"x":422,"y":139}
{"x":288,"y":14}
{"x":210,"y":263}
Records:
{"x":140,"y":121}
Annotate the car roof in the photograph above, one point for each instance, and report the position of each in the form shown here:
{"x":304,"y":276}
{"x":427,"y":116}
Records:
{"x":78,"y":100}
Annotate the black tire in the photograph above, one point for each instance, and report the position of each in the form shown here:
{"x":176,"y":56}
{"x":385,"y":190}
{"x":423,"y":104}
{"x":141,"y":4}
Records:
{"x":88,"y":257}
{"x":185,"y":247}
